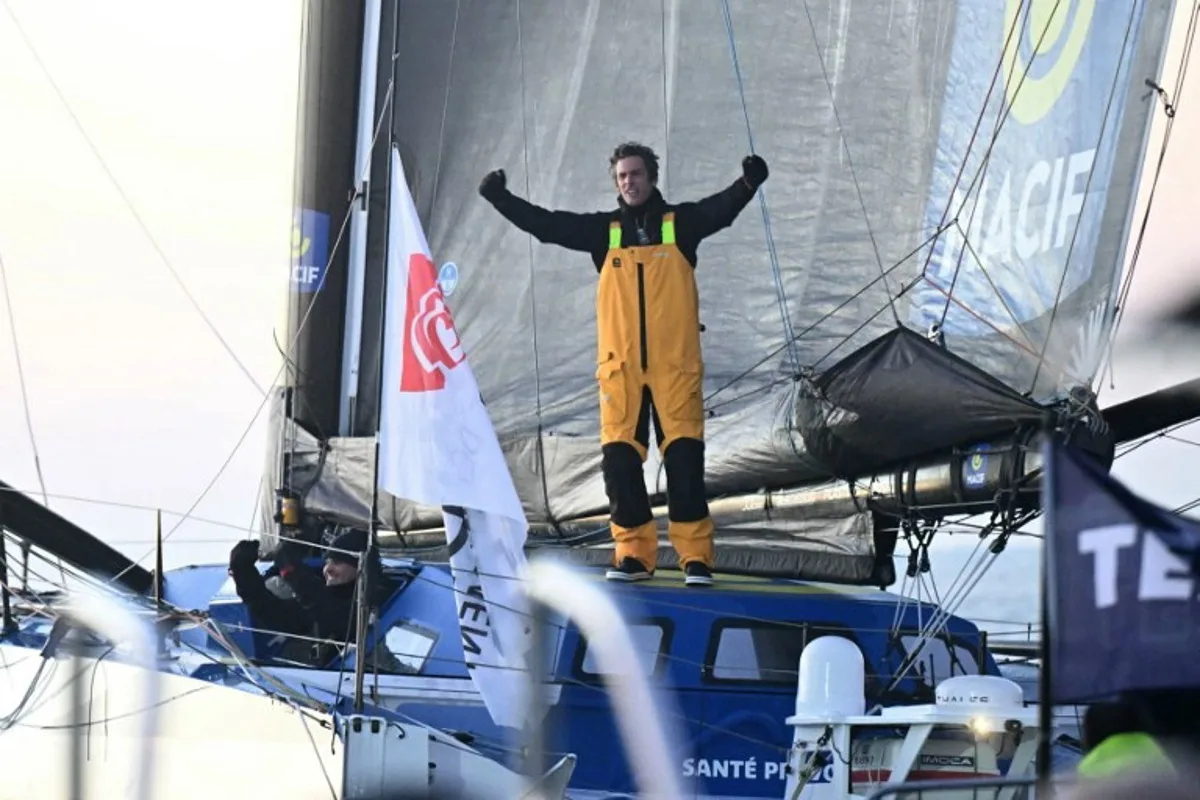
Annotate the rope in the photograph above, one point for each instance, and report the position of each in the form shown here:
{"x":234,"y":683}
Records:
{"x":979,"y":174}
{"x":129,"y":204}
{"x":537,"y":369}
{"x":666,"y":161}
{"x":37,"y":458}
{"x":291,"y":345}
{"x":987,"y":153}
{"x":1169,"y":109}
{"x":813,"y":326}
{"x":1062,"y":283}
{"x":437,"y":170}
{"x":862,"y":204}
{"x":999,"y":296}
{"x":788,"y":334}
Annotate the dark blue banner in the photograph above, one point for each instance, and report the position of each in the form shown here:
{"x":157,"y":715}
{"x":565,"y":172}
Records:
{"x":1122,"y":596}
{"x":1048,"y":137}
{"x":310,"y":250}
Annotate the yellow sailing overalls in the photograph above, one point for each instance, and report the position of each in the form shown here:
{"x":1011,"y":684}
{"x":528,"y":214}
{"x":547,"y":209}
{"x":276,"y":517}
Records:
{"x":648,"y":336}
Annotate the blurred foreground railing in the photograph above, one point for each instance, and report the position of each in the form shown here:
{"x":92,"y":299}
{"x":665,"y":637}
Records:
{"x":104,"y":616}
{"x":561,"y":589}
{"x":979,"y":788}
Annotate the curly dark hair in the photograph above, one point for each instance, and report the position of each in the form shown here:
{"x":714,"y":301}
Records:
{"x":629,"y":149}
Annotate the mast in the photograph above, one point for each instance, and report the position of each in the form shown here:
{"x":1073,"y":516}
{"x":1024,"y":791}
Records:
{"x":324,"y":180}
{"x":308,"y":403}
{"x":356,"y":274}
{"x":365,"y":573}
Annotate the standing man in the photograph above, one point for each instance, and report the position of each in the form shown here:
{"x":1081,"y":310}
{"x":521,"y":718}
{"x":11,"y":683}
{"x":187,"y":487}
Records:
{"x":649,"y":364}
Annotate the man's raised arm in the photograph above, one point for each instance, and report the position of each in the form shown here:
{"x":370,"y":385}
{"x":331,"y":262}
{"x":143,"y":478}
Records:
{"x":705,"y":217}
{"x":587,"y":233}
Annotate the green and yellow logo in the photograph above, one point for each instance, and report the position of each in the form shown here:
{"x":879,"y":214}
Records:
{"x":1033,"y":87}
{"x":300,"y":242}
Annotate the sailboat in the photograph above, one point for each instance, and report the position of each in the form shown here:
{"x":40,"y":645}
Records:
{"x":926,"y":283}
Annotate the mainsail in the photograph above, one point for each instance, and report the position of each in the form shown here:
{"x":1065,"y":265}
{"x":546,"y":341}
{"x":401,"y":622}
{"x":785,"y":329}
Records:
{"x":931,"y":265}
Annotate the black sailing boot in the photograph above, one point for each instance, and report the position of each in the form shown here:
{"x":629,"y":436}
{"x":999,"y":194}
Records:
{"x":630,"y":569}
{"x":697,"y":574}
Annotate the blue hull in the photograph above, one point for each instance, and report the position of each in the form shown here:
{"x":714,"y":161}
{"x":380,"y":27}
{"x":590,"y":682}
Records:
{"x":724,"y":658}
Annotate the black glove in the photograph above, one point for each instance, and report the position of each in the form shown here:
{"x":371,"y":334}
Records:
{"x":290,"y":554}
{"x":754,"y":171}
{"x":493,"y":186}
{"x":244,"y":553}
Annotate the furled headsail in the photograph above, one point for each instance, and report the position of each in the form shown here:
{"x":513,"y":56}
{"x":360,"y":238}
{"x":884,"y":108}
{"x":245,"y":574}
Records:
{"x":931,"y":266}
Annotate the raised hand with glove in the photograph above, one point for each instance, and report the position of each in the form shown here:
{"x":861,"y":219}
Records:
{"x":493,"y":186}
{"x":754,"y":171}
{"x":243,"y":554}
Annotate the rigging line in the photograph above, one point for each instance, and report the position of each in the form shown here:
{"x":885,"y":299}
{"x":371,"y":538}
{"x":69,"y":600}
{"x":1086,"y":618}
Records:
{"x":788,"y":334}
{"x":129,"y":204}
{"x":989,"y":323}
{"x":1002,"y":117}
{"x":766,"y":387}
{"x":666,"y":161}
{"x":131,"y":506}
{"x":967,"y":246}
{"x":941,"y":617}
{"x":317,"y":752}
{"x":1181,"y":440}
{"x":291,"y":345}
{"x":566,"y":680}
{"x":283,"y":692}
{"x":812,"y":326}
{"x":1171,"y":109}
{"x":262,"y":481}
{"x":24,"y":389}
{"x":1062,"y":283}
{"x":12,"y":327}
{"x":437,"y":170}
{"x":978,"y":197}
{"x":537,"y":369}
{"x":903,"y":290}
{"x":962,"y":254}
{"x":1151,"y":437}
{"x":971,"y":140}
{"x":1007,"y":108}
{"x":849,"y":159}
{"x":1186,"y":507}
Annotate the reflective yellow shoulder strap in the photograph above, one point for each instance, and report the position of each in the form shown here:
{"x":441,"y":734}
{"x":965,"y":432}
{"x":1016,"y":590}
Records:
{"x":1125,"y":753}
{"x":614,"y":235}
{"x":668,"y":228}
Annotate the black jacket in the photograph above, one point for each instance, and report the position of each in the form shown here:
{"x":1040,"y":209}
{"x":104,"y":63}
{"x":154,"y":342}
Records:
{"x":588,"y":232}
{"x":320,"y":611}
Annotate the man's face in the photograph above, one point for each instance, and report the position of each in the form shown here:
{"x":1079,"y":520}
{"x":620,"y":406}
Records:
{"x":338,"y":572}
{"x":632,"y":180}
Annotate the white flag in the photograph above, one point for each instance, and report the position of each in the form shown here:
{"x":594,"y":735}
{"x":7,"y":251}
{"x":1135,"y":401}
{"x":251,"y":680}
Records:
{"x":438,"y":448}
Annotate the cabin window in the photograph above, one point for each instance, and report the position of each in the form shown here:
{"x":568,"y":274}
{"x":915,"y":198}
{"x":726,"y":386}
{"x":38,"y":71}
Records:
{"x":761,"y":652}
{"x":938,"y":660}
{"x":406,"y":647}
{"x":651,"y":640}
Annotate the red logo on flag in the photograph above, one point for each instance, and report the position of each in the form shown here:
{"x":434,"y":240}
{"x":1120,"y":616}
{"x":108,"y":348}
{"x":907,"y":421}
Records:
{"x":431,"y":345}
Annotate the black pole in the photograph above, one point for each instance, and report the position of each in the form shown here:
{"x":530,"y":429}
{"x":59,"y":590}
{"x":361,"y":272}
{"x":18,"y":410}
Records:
{"x":8,"y":624}
{"x":383,"y":292}
{"x":1045,"y":676}
{"x":373,"y":534}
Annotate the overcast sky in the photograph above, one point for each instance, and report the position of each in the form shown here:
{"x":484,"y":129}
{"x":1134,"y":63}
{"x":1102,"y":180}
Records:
{"x":133,"y":398}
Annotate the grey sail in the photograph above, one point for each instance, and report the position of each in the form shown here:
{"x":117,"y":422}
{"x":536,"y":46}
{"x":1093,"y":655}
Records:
{"x":919,"y":177}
